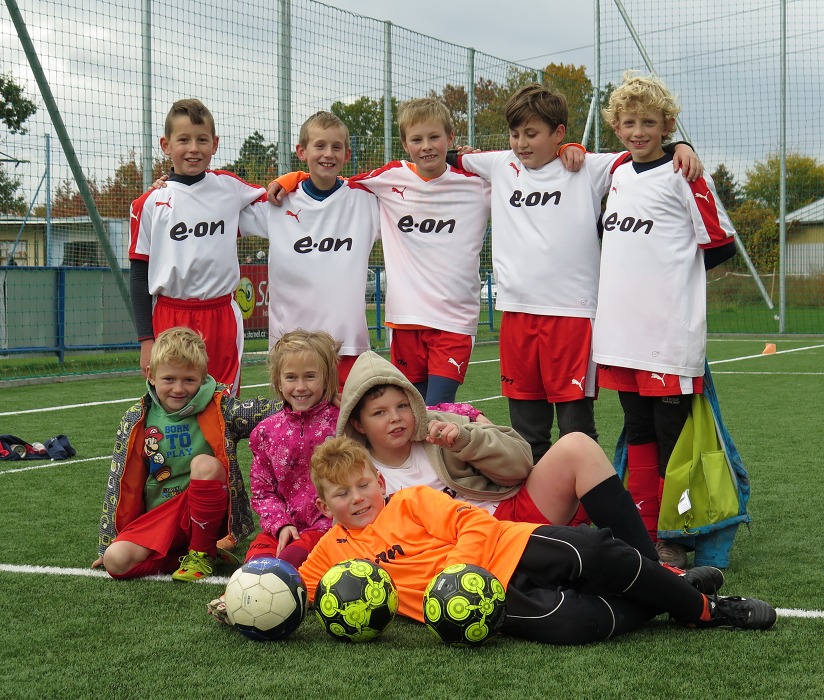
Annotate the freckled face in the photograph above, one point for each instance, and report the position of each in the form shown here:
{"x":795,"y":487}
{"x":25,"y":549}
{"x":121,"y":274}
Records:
{"x":355,"y":503}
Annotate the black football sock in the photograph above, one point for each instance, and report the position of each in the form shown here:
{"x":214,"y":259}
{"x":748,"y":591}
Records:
{"x":610,"y":505}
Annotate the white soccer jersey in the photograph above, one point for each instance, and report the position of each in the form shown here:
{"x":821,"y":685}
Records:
{"x":318,"y":257}
{"x":432,"y":233}
{"x":188,"y":233}
{"x":418,"y":471}
{"x":545,"y":248}
{"x":652,"y":312}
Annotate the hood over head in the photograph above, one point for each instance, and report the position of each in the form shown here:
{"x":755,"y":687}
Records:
{"x":371,"y":370}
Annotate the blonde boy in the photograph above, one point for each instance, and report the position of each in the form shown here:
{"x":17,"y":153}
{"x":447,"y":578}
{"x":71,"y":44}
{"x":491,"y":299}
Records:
{"x":174,"y":486}
{"x":432,"y":220}
{"x":660,"y":234}
{"x":563,"y":585}
{"x":319,"y":245}
{"x":183,"y":248}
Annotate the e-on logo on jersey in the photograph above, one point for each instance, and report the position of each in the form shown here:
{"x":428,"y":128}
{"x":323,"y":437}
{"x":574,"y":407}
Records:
{"x":627,"y":224}
{"x":180,"y":231}
{"x":324,"y":245}
{"x":534,"y":199}
{"x":407,"y":225}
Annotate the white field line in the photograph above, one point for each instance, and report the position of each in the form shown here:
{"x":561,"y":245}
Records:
{"x":45,"y":464}
{"x":93,"y":573}
{"x":778,"y":352}
{"x":223,"y":580}
{"x":257,"y":386}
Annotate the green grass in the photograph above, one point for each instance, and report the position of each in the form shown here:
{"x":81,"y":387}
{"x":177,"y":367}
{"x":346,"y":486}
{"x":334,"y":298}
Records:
{"x":68,"y":636}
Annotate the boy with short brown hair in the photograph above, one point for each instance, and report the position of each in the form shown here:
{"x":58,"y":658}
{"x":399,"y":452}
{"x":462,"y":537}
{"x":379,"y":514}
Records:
{"x":318,"y":280}
{"x":563,"y":585}
{"x":183,"y":246}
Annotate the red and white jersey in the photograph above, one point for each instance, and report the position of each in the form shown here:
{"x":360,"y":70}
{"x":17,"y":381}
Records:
{"x":432,"y":233}
{"x":318,"y":257}
{"x":188,"y":233}
{"x":652,"y":313}
{"x":545,"y":248}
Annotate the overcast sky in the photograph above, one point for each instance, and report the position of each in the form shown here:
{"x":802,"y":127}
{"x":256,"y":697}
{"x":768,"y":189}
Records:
{"x":532,"y":32}
{"x":722,"y":59}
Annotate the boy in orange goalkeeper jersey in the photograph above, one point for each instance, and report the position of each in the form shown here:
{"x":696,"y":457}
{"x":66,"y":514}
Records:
{"x":563,"y":585}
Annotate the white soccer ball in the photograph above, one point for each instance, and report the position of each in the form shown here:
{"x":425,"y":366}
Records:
{"x":266,"y":599}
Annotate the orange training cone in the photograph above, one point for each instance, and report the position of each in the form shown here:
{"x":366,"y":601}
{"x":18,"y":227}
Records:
{"x":769,"y":349}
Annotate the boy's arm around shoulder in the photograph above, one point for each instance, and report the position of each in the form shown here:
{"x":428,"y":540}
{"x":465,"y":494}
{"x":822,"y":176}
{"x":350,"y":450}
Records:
{"x":497,"y":451}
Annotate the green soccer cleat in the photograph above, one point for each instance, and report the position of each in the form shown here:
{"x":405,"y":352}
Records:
{"x":194,"y":567}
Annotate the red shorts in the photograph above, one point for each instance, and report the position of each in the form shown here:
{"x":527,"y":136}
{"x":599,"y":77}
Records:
{"x":166,"y":531}
{"x":520,"y":508}
{"x":546,"y":357}
{"x":220,"y":323}
{"x":421,"y":352}
{"x":646,"y":383}
{"x":344,"y":368}
{"x":266,"y":545}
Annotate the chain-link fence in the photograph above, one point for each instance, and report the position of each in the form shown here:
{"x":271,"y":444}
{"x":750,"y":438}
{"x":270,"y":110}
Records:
{"x":112,"y":69}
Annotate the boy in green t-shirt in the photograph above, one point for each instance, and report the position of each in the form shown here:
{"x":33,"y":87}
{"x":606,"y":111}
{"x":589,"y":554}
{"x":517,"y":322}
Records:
{"x":174,"y":487}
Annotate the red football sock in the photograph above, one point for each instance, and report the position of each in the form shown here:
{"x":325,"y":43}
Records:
{"x":643,"y":483}
{"x":208,"y":500}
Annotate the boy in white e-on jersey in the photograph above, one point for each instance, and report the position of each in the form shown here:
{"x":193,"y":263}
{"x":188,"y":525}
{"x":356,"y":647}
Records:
{"x":319,"y":245}
{"x":183,"y":246}
{"x":660,"y":235}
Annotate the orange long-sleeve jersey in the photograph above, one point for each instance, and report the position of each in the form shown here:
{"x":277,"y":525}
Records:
{"x":418,"y":533}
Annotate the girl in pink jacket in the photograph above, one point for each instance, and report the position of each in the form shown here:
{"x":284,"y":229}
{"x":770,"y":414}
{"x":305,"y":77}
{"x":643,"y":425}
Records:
{"x":303,"y":372}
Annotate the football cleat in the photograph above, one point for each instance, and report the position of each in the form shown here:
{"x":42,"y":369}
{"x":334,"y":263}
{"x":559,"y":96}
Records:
{"x":740,"y":613}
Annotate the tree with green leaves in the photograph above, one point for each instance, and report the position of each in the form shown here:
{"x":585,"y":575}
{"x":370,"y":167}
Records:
{"x":805,"y":181}
{"x":364,"y":119}
{"x":10,"y":201}
{"x":728,"y":190}
{"x":15,"y":109}
{"x":757,"y":228}
{"x":257,"y":161}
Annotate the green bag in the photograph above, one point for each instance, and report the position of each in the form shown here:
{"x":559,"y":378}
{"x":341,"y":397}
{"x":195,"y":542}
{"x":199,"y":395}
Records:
{"x":700,"y":488}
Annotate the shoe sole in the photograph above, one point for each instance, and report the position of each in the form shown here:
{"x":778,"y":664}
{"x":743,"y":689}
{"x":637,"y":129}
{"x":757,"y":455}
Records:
{"x":227,"y":557}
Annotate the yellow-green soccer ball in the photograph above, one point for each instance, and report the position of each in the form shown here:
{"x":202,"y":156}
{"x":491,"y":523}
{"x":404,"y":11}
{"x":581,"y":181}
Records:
{"x":356,"y":600}
{"x":464,"y":605}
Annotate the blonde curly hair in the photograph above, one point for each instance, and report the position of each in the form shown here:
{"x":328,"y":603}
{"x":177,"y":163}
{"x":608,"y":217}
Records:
{"x":642,"y":94}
